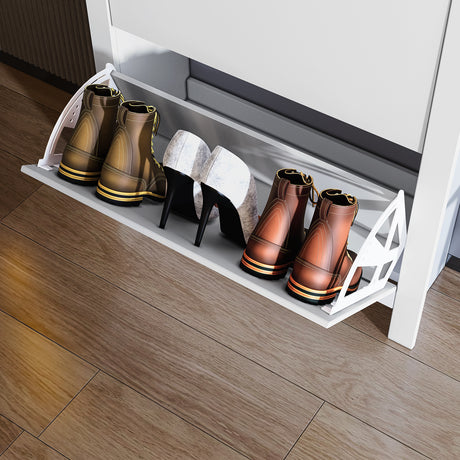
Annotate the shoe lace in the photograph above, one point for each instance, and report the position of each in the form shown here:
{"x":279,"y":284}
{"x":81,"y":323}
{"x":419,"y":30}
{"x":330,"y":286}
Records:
{"x":116,"y":92}
{"x":313,"y":191}
{"x":309,"y":181}
{"x":156,"y":125}
{"x":352,"y":200}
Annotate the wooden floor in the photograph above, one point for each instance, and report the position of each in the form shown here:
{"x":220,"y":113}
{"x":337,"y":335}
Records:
{"x":113,"y":346}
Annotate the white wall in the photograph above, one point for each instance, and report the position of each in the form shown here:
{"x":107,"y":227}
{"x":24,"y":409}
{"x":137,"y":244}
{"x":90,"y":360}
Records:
{"x":371,"y":64}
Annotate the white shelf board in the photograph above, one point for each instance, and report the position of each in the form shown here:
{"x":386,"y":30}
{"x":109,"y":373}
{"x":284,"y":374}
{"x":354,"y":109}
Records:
{"x":216,"y":252}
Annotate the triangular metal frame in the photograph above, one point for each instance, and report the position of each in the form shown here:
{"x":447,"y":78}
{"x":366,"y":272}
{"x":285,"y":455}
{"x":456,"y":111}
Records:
{"x":375,"y":254}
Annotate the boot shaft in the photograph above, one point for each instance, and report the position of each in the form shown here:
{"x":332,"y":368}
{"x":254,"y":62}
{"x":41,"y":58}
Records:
{"x":131,"y":149}
{"x":325,"y":246}
{"x":96,"y":124}
{"x":130,"y":170}
{"x":327,"y":192}
{"x":282,"y":221}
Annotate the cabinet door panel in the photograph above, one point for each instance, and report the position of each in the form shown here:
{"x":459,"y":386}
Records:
{"x":370,"y":64}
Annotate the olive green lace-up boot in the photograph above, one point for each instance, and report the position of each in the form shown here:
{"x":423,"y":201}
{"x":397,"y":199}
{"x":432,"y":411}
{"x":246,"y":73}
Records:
{"x":85,"y":153}
{"x":130,"y":171}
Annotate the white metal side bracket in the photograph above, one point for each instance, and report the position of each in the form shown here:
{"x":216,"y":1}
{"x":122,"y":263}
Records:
{"x":69,"y":117}
{"x":375,"y":254}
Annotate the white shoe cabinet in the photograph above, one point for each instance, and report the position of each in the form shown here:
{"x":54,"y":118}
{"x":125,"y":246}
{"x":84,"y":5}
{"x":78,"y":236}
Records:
{"x":378,"y":234}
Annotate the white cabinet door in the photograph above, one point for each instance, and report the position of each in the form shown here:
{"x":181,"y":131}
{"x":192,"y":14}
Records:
{"x":369,"y":63}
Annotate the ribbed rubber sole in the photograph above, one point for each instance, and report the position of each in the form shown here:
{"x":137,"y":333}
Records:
{"x":78,"y":177}
{"x":124,"y":198}
{"x":314,"y":296}
{"x":264,"y":271}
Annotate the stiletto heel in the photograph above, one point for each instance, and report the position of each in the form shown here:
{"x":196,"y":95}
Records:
{"x":179,"y":192}
{"x":210,"y":198}
{"x":227,"y":182}
{"x":183,"y":161}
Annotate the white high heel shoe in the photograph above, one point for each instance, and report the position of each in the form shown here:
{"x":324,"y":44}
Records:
{"x":227,"y":181}
{"x":183,"y":162}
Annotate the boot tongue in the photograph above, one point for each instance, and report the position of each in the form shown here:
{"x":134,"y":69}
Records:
{"x":339,"y":204}
{"x":338,"y":198}
{"x":330,"y":192}
{"x":138,"y":107}
{"x":342,"y":200}
{"x":101,"y":95}
{"x":138,"y":112}
{"x":101,"y":90}
{"x":294,"y":177}
{"x":297,"y":182}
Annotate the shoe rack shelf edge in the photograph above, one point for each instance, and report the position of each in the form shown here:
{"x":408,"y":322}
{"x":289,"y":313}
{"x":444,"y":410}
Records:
{"x":379,"y":232}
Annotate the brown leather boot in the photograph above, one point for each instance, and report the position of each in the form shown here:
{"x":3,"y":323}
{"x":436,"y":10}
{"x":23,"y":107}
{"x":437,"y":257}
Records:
{"x":324,"y":261}
{"x":130,"y":170}
{"x":280,"y":232}
{"x":85,"y":152}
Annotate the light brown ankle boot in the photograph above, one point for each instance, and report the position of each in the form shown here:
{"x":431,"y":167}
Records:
{"x":324,"y":261}
{"x":130,"y":170}
{"x":280,"y":232}
{"x":86,"y":151}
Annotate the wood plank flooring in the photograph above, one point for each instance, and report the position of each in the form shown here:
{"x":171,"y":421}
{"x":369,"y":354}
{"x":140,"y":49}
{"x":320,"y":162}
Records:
{"x":26,"y":125}
{"x":32,"y":88}
{"x":8,"y":433}
{"x":334,"y":434}
{"x":448,"y":283}
{"x":38,"y":377}
{"x":138,"y":428}
{"x":14,"y":186}
{"x":26,"y":447}
{"x":439,"y":331}
{"x":220,"y":391}
{"x":280,"y":340}
{"x":113,"y":346}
